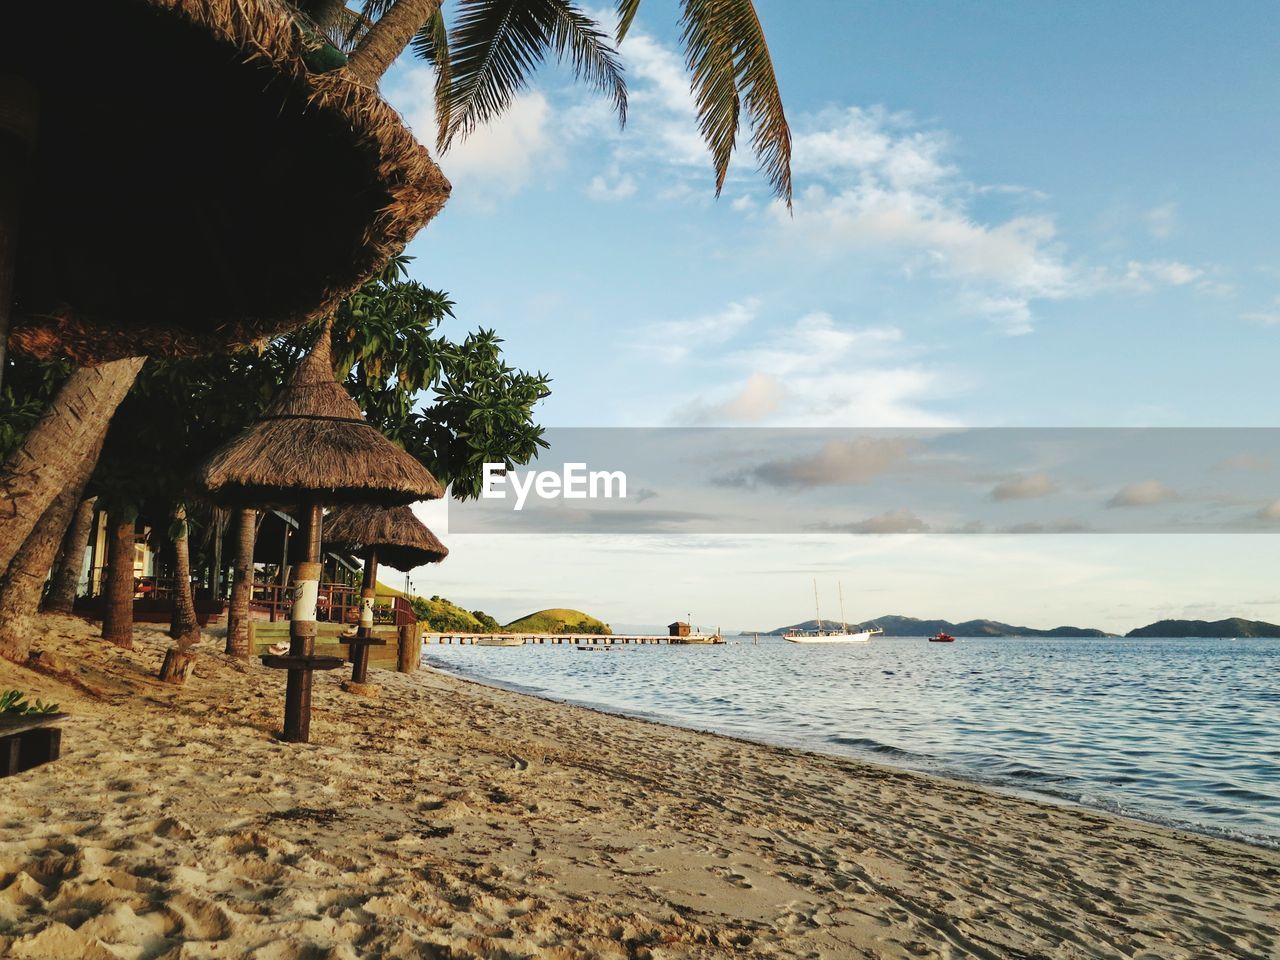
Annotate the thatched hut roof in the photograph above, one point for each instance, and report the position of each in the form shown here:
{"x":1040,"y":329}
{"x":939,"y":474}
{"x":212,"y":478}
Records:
{"x":194,"y":185}
{"x":401,"y":539}
{"x":313,"y":442}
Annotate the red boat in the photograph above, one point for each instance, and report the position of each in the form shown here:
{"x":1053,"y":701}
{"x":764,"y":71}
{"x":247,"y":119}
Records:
{"x":942,"y":638}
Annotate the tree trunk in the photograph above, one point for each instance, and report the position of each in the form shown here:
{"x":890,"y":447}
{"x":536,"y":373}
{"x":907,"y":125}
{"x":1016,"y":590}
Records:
{"x":324,"y":13}
{"x":117,"y":617}
{"x":388,"y":37}
{"x":66,"y":574}
{"x":242,"y":585}
{"x":219,"y":530}
{"x":57,"y":445}
{"x":183,"y":625}
{"x":20,"y":597}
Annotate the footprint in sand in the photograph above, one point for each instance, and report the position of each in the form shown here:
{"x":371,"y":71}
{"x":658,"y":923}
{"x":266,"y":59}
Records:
{"x":731,"y":876}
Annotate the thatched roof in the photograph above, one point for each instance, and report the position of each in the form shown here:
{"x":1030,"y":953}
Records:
{"x":313,"y":441}
{"x":194,"y":185}
{"x":401,"y":539}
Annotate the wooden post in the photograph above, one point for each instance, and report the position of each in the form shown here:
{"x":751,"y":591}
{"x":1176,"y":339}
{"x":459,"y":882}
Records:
{"x":302,"y":632}
{"x":409,"y":653}
{"x":360,"y":660}
{"x":18,"y":117}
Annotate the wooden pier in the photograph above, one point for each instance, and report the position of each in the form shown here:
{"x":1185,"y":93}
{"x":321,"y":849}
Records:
{"x":572,"y":639}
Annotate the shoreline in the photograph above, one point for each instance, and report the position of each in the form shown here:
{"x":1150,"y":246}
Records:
{"x":991,"y":785}
{"x":449,"y":817}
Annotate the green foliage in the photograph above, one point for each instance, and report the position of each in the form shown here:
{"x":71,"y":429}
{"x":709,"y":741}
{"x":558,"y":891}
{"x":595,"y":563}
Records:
{"x":442,"y":616}
{"x":29,"y":388}
{"x":495,"y":44}
{"x":15,"y":702}
{"x":487,"y":623}
{"x":453,"y":406}
{"x":559,"y":620}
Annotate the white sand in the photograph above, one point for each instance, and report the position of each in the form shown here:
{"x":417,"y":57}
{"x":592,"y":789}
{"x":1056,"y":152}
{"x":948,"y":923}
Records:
{"x":448,"y":819}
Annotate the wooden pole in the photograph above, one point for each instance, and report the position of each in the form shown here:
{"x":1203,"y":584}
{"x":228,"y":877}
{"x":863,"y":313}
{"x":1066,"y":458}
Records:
{"x":302,"y":631}
{"x":368,"y":587}
{"x":18,"y":116}
{"x":409,"y":653}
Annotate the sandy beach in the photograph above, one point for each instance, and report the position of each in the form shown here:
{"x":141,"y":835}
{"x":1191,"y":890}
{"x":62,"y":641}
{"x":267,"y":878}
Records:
{"x":451,"y":819}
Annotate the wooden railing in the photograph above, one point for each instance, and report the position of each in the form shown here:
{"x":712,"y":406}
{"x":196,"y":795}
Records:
{"x":337,"y":603}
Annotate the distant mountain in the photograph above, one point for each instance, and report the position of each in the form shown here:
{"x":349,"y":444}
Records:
{"x":911,"y":627}
{"x":1234,"y":627}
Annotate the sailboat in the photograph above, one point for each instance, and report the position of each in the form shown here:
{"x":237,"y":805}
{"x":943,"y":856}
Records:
{"x":832,"y":635}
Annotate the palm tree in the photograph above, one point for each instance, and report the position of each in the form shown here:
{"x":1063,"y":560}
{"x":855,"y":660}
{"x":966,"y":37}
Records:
{"x":55,"y":449}
{"x":66,"y":574}
{"x":242,"y":585}
{"x":117,"y":614}
{"x":486,"y":57}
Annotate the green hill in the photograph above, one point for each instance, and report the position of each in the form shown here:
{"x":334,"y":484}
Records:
{"x":441,"y":614}
{"x":1234,"y":627}
{"x":558,"y":620}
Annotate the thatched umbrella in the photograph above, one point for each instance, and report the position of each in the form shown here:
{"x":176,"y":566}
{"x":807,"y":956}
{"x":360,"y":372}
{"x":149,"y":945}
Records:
{"x":187,"y":181}
{"x":313,"y":448}
{"x":393,"y":536}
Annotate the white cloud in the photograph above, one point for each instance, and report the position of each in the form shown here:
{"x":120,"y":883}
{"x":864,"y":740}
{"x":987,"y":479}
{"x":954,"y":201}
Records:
{"x":1162,"y":221}
{"x":837,"y":463}
{"x":828,"y":375}
{"x":1145,"y":493}
{"x":601,"y":189}
{"x":1262,"y":319}
{"x":758,"y":399}
{"x":675,"y":340}
{"x":814,"y":343}
{"x":501,"y":157}
{"x":901,"y":520}
{"x":1024,"y":487}
{"x":873,"y":184}
{"x":1271,"y":512}
{"x":1146,"y":275}
{"x":1245,"y":461}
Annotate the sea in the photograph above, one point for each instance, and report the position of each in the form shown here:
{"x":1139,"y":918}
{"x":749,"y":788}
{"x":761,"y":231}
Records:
{"x":1181,"y":732}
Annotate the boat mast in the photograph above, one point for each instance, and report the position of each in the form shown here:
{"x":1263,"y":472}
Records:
{"x":816,"y":609}
{"x":844,"y":623}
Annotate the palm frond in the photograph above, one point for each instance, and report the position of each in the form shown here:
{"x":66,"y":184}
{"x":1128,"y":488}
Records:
{"x":432,"y":45}
{"x":496,"y":44}
{"x":731,"y":69}
{"x":713,"y":79}
{"x":627,"y":10}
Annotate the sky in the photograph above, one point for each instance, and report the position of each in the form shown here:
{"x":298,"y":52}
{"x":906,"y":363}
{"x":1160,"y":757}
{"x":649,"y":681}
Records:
{"x":1026,"y":215}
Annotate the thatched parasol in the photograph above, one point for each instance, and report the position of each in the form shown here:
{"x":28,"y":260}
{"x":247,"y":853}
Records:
{"x":392,"y":536}
{"x":401,"y":540}
{"x":314,"y":445}
{"x":192,"y":184}
{"x":314,"y":448}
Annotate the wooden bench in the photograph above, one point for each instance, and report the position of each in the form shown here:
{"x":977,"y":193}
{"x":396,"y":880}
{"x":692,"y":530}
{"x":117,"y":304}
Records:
{"x":28,"y":740}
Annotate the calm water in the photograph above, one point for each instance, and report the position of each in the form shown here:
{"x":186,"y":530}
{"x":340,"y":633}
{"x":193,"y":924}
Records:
{"x":1185,"y":732}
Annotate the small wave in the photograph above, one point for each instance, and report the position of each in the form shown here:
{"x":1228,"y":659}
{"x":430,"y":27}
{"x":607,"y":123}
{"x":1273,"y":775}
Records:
{"x":875,"y":746}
